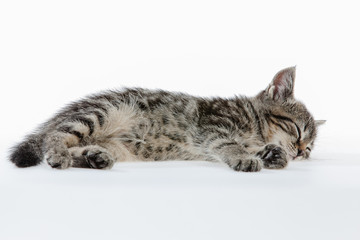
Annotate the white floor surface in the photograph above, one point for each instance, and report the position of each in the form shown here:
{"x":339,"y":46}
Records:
{"x":313,"y":199}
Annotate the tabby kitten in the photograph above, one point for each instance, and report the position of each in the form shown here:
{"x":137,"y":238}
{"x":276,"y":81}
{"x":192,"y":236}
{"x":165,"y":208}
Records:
{"x":248,"y":134}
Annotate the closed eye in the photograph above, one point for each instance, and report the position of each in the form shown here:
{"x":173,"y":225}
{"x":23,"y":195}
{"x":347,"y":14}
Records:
{"x":298,"y":132}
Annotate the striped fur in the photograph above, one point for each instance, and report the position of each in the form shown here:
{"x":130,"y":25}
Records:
{"x":144,"y":125}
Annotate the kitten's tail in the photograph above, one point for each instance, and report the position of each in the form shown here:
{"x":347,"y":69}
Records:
{"x":29,"y":152}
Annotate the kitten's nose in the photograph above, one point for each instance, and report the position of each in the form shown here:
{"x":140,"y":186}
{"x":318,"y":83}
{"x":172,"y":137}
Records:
{"x":300,"y":153}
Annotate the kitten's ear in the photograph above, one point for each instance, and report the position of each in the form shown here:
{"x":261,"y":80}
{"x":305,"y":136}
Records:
{"x":282,"y":86}
{"x":319,"y":122}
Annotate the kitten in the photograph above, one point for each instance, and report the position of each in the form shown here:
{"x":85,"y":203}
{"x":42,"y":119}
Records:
{"x":248,"y":134}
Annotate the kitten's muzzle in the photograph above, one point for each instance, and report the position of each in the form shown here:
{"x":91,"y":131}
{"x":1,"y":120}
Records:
{"x":300,"y":153}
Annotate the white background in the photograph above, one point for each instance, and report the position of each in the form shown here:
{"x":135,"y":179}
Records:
{"x":54,"y":52}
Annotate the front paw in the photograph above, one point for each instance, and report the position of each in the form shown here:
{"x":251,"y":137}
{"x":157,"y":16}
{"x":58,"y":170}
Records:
{"x":273,"y":156}
{"x":247,"y":165}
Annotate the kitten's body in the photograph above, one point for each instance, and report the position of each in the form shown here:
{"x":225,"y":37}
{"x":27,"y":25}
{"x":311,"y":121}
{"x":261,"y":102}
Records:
{"x":139,"y":124}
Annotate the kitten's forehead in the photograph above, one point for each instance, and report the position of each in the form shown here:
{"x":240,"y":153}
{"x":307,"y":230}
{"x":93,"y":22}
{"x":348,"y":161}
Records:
{"x":297,"y":110}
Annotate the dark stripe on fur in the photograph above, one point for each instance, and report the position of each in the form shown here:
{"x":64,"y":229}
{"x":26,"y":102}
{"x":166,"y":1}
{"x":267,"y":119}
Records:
{"x":299,"y":132}
{"x":259,"y":126}
{"x":240,"y":105}
{"x":281,"y":118}
{"x":85,"y":106}
{"x":111,"y":99}
{"x":226,"y":144}
{"x":67,"y":129}
{"x":100,"y":117}
{"x":278,"y":124}
{"x":142,"y":106}
{"x":86,"y":121}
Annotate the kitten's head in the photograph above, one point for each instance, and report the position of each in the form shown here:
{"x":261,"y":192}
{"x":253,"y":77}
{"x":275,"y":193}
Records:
{"x":289,"y":122}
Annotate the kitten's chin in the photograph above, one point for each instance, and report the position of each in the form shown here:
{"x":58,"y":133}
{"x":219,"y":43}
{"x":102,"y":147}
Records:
{"x":299,"y":158}
{"x":291,"y":156}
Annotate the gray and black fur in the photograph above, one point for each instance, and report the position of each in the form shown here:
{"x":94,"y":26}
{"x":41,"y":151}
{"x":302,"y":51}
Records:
{"x":138,"y":124}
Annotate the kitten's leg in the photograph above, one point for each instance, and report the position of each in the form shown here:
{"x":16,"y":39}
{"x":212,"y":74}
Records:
{"x":236,"y":156}
{"x":92,"y":156}
{"x":56,"y":149}
{"x":273,"y":156}
{"x":69,"y":133}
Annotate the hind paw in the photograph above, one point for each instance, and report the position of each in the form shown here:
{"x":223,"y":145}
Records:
{"x":59,"y":161}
